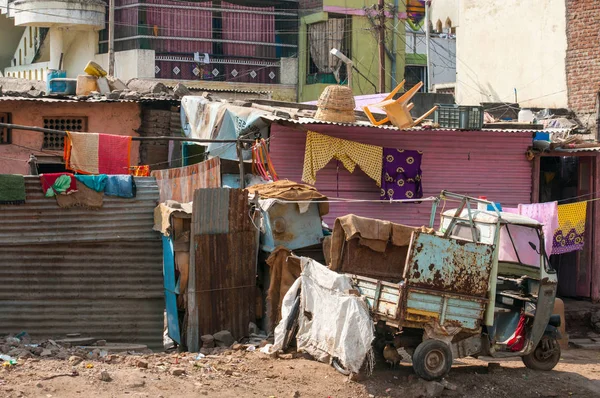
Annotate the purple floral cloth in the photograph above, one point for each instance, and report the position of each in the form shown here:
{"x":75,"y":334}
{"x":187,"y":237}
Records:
{"x":401,"y":174}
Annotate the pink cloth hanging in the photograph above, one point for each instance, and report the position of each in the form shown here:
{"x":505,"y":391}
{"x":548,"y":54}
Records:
{"x":545,"y":213}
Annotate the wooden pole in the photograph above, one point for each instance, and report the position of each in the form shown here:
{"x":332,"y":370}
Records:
{"x":240,"y":156}
{"x":111,"y":37}
{"x":381,"y":46}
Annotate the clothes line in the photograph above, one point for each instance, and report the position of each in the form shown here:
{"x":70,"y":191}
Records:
{"x":163,"y":138}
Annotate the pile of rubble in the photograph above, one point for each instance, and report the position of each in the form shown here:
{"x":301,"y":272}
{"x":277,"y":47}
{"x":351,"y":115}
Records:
{"x":72,"y":347}
{"x":114,"y":89}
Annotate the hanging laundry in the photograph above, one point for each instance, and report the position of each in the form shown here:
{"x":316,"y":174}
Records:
{"x":261,"y":161}
{"x":54,"y":184}
{"x":92,"y":153}
{"x":321,"y":149}
{"x":140,"y":171}
{"x":401,"y":174}
{"x":95,"y":182}
{"x":547,"y":214}
{"x":179,"y":184}
{"x":84,"y":197}
{"x":122,"y":186}
{"x":569,"y":235}
{"x":12,"y":189}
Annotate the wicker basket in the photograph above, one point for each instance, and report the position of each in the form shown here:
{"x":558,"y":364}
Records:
{"x":336,"y":104}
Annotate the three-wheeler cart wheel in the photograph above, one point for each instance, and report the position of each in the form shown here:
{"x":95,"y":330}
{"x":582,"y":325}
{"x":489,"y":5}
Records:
{"x":545,"y":356}
{"x":432,"y":359}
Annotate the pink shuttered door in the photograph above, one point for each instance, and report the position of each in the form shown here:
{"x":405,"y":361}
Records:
{"x":475,"y":163}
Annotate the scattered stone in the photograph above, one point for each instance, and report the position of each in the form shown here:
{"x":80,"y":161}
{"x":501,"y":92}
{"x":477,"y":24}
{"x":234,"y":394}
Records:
{"x":37,"y":350}
{"x":223,"y":338}
{"x":39,"y":385}
{"x":75,"y":341}
{"x":208,"y":341}
{"x":263,"y":343}
{"x":448,"y":386}
{"x":46,"y":353}
{"x":75,"y":360}
{"x":229,"y":372}
{"x":105,"y":376}
{"x":296,"y":394}
{"x":115,"y":84}
{"x":205,"y":351}
{"x":73,"y":335}
{"x":237,"y":347}
{"x":180,"y":91}
{"x":63,"y":354}
{"x":23,"y":354}
{"x":433,"y":389}
{"x":132,"y":95}
{"x":494,"y":367}
{"x":114,"y":95}
{"x":101,"y":343}
{"x":286,"y":356}
{"x":136,"y":384}
{"x":178,"y":372}
{"x":141,"y":364}
{"x":147,"y":86}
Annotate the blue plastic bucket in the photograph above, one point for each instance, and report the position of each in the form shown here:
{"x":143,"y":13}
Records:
{"x":56,"y":87}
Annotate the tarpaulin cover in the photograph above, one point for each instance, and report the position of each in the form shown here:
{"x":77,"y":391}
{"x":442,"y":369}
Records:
{"x":339,"y":326}
{"x":222,"y":121}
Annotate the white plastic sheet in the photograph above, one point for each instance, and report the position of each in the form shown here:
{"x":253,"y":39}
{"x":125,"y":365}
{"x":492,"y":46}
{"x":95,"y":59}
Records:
{"x":338,"y":325}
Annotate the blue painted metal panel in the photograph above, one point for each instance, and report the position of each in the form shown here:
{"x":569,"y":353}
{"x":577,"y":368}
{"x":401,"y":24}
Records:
{"x":285,"y":226}
{"x":171,"y":289}
{"x":446,"y":309}
{"x":449,"y":265}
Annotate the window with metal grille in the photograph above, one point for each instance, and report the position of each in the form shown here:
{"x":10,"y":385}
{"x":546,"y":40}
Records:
{"x":63,"y":123}
{"x":5,"y":132}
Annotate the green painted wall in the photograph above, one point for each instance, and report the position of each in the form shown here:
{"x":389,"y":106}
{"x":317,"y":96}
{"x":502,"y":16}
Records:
{"x":364,"y":52}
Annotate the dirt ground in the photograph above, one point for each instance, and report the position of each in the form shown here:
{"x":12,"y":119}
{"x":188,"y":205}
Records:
{"x":253,"y":374}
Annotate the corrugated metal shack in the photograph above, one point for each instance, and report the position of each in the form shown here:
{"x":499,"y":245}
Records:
{"x":94,"y":272}
{"x":491,"y":163}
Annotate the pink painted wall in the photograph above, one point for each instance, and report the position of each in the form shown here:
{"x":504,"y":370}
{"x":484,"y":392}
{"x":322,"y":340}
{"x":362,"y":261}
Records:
{"x":474,"y":163}
{"x":120,"y":118}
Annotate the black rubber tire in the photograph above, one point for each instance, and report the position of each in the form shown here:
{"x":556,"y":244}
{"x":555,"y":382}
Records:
{"x":537,"y":360}
{"x":432,"y":359}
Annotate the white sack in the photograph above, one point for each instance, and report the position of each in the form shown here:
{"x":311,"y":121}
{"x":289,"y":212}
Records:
{"x":340,"y":326}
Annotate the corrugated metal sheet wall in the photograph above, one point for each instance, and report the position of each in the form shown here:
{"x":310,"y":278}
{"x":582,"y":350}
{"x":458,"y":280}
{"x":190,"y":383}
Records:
{"x":223,"y":267}
{"x":476,"y":163}
{"x":95,"y":272}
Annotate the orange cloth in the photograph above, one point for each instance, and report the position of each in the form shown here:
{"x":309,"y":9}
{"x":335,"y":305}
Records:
{"x":140,"y":171}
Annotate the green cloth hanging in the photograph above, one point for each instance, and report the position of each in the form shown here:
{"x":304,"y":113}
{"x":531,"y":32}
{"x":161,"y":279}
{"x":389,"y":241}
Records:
{"x":12,"y":189}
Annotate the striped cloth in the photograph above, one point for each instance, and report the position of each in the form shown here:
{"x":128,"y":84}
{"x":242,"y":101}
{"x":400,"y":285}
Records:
{"x":92,"y":153}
